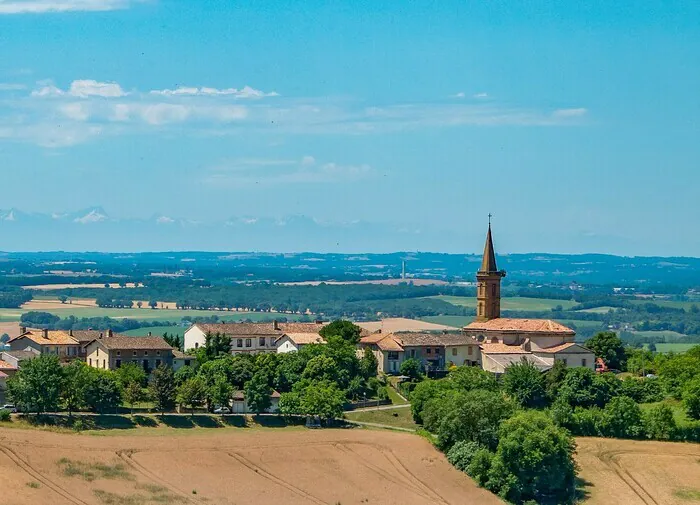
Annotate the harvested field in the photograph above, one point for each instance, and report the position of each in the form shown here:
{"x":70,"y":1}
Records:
{"x":261,"y":466}
{"x":52,"y":287}
{"x":12,"y":329}
{"x":627,"y":472}
{"x":384,"y":282}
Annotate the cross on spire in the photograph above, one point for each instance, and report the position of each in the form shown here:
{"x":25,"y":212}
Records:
{"x":490,"y":216}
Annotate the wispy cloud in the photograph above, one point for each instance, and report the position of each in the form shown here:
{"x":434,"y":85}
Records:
{"x":249,"y":172}
{"x":88,"y":108}
{"x":8,"y":86}
{"x":45,"y":6}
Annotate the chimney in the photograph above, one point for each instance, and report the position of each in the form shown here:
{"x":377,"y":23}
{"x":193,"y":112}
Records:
{"x":46,"y":333}
{"x":150,"y":334}
{"x":109,"y":333}
{"x":22,"y":330}
{"x":70,"y":332}
{"x":275,"y":325}
{"x":318,"y":321}
{"x":101,"y":335}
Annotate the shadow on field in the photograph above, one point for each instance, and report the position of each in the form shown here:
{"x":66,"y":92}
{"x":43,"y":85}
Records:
{"x":235,"y":421}
{"x":582,"y":489}
{"x":179,"y":422}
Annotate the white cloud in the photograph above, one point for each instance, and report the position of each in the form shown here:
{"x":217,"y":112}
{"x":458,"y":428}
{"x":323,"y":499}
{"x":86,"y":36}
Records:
{"x":76,"y":111}
{"x":458,"y":95}
{"x":44,"y":6}
{"x":8,"y":86}
{"x":245,"y":92}
{"x":82,"y":89}
{"x":165,"y":220}
{"x":481,"y":95}
{"x":570,"y":113}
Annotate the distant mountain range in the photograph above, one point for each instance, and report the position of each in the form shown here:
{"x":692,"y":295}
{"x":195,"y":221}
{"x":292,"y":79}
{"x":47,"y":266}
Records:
{"x":93,"y":229}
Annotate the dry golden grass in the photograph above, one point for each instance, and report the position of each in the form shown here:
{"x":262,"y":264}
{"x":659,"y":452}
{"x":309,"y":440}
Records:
{"x":628,"y":472}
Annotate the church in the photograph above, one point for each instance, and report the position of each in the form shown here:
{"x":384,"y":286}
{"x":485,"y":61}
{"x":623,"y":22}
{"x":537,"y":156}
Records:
{"x":504,"y":341}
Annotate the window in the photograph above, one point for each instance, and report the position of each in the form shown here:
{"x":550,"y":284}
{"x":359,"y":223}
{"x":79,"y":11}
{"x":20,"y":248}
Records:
{"x":118,"y":363}
{"x":261,"y":342}
{"x":187,"y":362}
{"x":454,"y":351}
{"x":104,"y":364}
{"x":248,"y":342}
{"x":157,"y":363}
{"x":564,"y":361}
{"x":470,"y":350}
{"x":196,"y":345}
{"x":583,"y":361}
{"x":145,"y":353}
{"x":239,"y":342}
{"x":428,"y":350}
{"x":437,"y":350}
{"x":413,"y":353}
{"x":119,"y":353}
{"x":157,"y":353}
{"x":98,"y":352}
{"x":493,"y":289}
{"x":393,"y":355}
{"x":90,"y":361}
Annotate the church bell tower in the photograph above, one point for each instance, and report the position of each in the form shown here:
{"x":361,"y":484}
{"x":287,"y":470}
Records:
{"x":488,"y":281}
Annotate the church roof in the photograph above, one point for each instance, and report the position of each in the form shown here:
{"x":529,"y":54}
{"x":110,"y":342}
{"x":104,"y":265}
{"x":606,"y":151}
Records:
{"x":507,"y":324}
{"x":488,"y":263}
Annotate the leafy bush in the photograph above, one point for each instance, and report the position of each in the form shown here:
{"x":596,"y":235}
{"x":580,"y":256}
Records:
{"x":524,"y":382}
{"x":642,"y":390}
{"x":659,"y":423}
{"x":582,"y":387}
{"x":462,"y":453}
{"x":622,"y":418}
{"x":691,"y":398}
{"x":423,"y":393}
{"x":586,"y":422}
{"x":411,"y":368}
{"x":468,"y":378}
{"x":480,"y":466}
{"x":5,"y":416}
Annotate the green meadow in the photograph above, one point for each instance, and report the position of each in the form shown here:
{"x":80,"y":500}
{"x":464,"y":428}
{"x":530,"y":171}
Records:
{"x":513,"y":303}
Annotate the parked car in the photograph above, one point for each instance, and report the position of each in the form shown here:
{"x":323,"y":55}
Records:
{"x":10,"y":407}
{"x":222,"y":410}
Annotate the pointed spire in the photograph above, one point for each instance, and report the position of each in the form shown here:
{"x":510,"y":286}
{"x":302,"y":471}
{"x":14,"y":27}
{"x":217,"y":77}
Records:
{"x":488,"y":263}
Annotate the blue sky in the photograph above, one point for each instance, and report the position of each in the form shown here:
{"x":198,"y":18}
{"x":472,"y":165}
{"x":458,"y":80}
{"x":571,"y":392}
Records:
{"x":574,"y":123}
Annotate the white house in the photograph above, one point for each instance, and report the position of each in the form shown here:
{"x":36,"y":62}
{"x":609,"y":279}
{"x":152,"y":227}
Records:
{"x":240,"y":406}
{"x":290,"y":342}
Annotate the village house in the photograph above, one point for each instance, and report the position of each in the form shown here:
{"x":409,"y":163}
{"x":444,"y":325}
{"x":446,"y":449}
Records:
{"x":15,"y":358}
{"x":66,"y":344}
{"x":290,"y":342}
{"x":181,"y":359}
{"x":111,"y":352}
{"x":505,"y":341}
{"x":240,"y":406}
{"x":250,"y":338}
{"x":434,"y":350}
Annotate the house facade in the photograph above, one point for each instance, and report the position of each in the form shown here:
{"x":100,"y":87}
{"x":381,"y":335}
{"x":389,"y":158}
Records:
{"x":290,"y":342}
{"x":250,"y":338}
{"x":180,"y":359}
{"x":110,"y":353}
{"x":66,"y":344}
{"x":434,"y":350}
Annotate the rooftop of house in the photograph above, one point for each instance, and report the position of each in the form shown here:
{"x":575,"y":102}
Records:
{"x":565,"y":347}
{"x":48,"y":337}
{"x":397,"y":341}
{"x":305,"y":338}
{"x":505,"y":360}
{"x":181,"y":355}
{"x":261,"y":329}
{"x":121,"y":342}
{"x":240,"y":395}
{"x":4,"y":365}
{"x":502,"y":349}
{"x":512,"y":325}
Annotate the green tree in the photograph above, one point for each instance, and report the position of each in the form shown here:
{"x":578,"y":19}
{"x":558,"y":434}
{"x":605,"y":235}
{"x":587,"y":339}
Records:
{"x":132,"y":394}
{"x":162,"y":388}
{"x":153,"y":304}
{"x":102,"y":391}
{"x":467,"y":378}
{"x":426,"y":391}
{"x":411,"y":368}
{"x":76,"y":377}
{"x":173,"y":340}
{"x":184,"y":373}
{"x":622,"y":418}
{"x":258,"y":392}
{"x":691,"y":398}
{"x":554,"y":378}
{"x":321,"y":368}
{"x":582,"y":387}
{"x":130,"y":373}
{"x":368,"y":364}
{"x":217,"y":344}
{"x":608,"y":346}
{"x":348,"y":331}
{"x":659,"y":422}
{"x":677,"y":371}
{"x":192,"y":393}
{"x":475,"y":415}
{"x":220,"y":392}
{"x":63,"y":298}
{"x":37,"y":385}
{"x":534,"y":461}
{"x":324,"y":399}
{"x":524,"y":382}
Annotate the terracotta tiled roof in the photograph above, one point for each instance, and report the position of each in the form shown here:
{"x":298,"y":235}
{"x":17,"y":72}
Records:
{"x":85,"y":336}
{"x":373,"y":338}
{"x":4,"y":365}
{"x":305,"y":338}
{"x":262,"y":329}
{"x":563,"y":347}
{"x":436,"y":338}
{"x":22,"y":355}
{"x":181,"y":355}
{"x":3,"y":375}
{"x":506,"y":324}
{"x":502,"y":349}
{"x":120,"y":342}
{"x":55,"y":337}
{"x":388,"y":343}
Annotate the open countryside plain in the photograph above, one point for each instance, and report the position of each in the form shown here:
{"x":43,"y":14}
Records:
{"x":284,"y":466}
{"x":511,"y":302}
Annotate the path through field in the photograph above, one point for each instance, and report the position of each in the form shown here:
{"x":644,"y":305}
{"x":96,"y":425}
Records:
{"x":260,"y":466}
